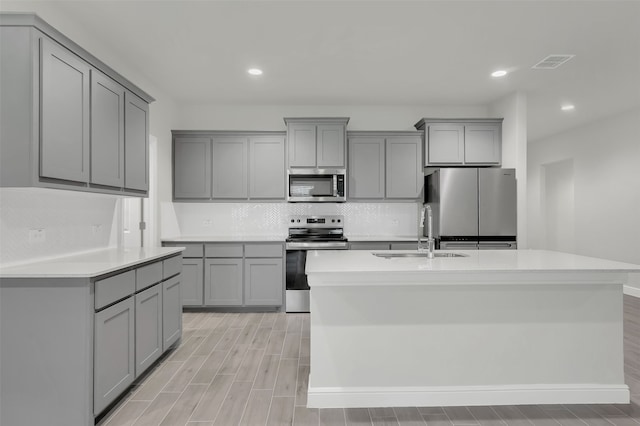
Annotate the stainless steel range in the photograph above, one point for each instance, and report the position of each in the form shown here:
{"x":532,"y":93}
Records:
{"x":308,"y":233}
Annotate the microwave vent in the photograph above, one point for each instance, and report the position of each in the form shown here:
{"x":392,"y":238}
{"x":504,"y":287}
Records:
{"x":552,"y":62}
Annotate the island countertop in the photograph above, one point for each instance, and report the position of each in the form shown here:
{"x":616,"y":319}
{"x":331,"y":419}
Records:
{"x":474,"y":261}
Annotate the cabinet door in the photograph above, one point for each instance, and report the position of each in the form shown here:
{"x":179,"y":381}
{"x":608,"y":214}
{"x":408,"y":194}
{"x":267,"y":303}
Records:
{"x":482,"y":144}
{"x":266,"y":167}
{"x":302,"y":144}
{"x":330,"y":146}
{"x":136,"y":143}
{"x":64,"y":126}
{"x":191,"y":168}
{"x":171,"y":311}
{"x":107,"y":131}
{"x":263,"y":282}
{"x":405,"y":177}
{"x":223,"y":282}
{"x":445,"y":144}
{"x":192,"y":282}
{"x":148,"y":327}
{"x":114,"y":366}
{"x":366,"y":167}
{"x":230,"y":167}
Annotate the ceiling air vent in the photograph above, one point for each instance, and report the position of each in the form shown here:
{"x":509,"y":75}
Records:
{"x":552,"y":62}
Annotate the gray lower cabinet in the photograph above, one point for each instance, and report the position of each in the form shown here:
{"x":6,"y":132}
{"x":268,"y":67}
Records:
{"x":171,"y":311}
{"x":385,"y":165}
{"x":107,"y":131}
{"x":263,"y":282}
{"x":68,"y":120}
{"x":149,"y":320}
{"x":462,"y":142}
{"x":192,"y":279}
{"x":223,"y":282}
{"x":114,"y":346}
{"x":65,"y":110}
{"x":230,"y":173}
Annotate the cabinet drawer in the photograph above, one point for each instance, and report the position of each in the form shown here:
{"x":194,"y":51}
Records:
{"x":404,"y":246}
{"x":190,"y":249}
{"x":369,"y":246}
{"x":114,"y":288}
{"x":171,"y":266}
{"x":263,"y":250}
{"x":223,"y":250}
{"x":148,"y":275}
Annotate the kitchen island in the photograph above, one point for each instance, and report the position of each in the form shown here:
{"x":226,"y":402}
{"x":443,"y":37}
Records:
{"x":489,"y":328}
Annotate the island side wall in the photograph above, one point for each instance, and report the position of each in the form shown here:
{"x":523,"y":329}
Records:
{"x":446,"y":343}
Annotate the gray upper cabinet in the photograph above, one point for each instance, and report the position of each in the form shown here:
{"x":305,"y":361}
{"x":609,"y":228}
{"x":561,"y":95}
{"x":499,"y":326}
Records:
{"x":229,"y":170}
{"x":482,"y":144}
{"x":405,"y":177}
{"x":330,"y":146}
{"x":136,"y":144}
{"x":67,"y":119}
{"x":107,"y":131}
{"x":64,"y":148}
{"x":316,"y":142}
{"x":302,"y":144}
{"x":445,"y":144}
{"x":266,"y":167}
{"x":228,"y":165}
{"x":462,"y":142}
{"x":192,"y":168}
{"x":385,"y":165}
{"x":366,"y":167}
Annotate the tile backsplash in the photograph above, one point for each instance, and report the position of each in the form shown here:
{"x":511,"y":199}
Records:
{"x":238,"y":219}
{"x":38,"y":224}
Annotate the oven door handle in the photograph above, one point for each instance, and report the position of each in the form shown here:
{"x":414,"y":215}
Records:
{"x":316,"y":246}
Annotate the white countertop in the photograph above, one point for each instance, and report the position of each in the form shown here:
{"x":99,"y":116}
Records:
{"x":353,"y":261}
{"x":88,"y":265}
{"x":225,"y":238}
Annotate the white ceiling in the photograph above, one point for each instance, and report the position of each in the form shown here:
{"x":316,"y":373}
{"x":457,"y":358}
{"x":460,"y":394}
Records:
{"x":381,"y":52}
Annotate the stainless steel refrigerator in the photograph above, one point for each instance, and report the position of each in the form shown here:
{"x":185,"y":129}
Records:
{"x":473,"y":208}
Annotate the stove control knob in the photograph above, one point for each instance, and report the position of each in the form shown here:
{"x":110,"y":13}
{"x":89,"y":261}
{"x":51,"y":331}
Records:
{"x":292,"y":220}
{"x":333,"y":220}
{"x":338,"y":220}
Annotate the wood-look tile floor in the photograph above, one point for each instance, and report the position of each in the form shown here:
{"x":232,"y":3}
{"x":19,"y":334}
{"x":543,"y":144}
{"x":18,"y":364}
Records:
{"x":252,"y":369}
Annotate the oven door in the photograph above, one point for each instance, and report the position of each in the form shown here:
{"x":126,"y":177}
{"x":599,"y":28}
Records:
{"x":297,"y":287}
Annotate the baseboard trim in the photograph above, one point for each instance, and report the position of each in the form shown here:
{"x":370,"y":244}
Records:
{"x":340,"y":397}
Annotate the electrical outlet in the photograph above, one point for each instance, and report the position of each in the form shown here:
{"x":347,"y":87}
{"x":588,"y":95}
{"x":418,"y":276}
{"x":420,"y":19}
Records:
{"x":37,"y":236}
{"x":207,"y":222}
{"x":394,"y":222}
{"x":96,"y":229}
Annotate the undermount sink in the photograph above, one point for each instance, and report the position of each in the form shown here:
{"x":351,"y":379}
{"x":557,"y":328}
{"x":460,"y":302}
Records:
{"x":418,"y":254}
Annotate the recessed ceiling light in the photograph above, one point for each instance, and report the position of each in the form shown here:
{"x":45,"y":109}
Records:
{"x":499,"y":73}
{"x":254,"y":71}
{"x":568,"y":107}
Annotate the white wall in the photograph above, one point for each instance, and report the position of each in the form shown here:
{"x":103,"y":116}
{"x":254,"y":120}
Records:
{"x":161,"y":116}
{"x":261,"y":219}
{"x":270,"y":117}
{"x":72,"y":222}
{"x":513,"y":108}
{"x":592,"y":174}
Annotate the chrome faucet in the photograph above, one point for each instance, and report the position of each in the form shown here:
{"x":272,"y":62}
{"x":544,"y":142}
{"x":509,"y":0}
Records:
{"x":426,"y":211}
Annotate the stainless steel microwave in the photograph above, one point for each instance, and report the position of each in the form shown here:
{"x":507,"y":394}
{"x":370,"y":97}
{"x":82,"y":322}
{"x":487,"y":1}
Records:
{"x":316,"y":186}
